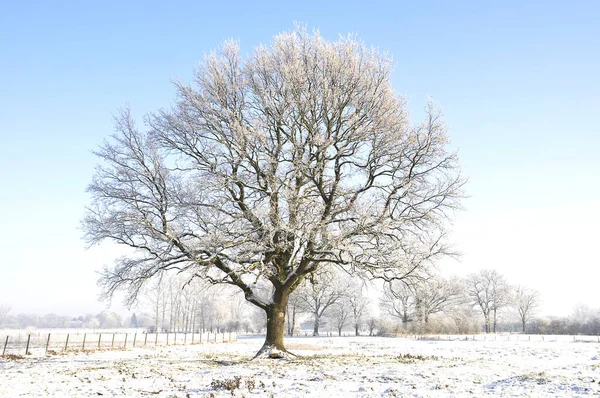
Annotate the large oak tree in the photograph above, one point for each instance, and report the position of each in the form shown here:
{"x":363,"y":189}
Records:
{"x":269,"y":168}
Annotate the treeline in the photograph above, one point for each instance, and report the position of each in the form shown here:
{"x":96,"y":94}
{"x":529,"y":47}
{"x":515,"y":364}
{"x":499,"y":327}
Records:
{"x":103,"y":320}
{"x":336,"y":303}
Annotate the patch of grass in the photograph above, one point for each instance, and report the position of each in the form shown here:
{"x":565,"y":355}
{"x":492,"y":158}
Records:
{"x":539,"y":377}
{"x":12,"y":357}
{"x":412,"y":358}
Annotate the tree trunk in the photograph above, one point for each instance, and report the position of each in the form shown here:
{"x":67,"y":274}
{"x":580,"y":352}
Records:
{"x":356,"y":333}
{"x":275,"y":325}
{"x":339,"y":332}
{"x":316,"y":326}
{"x":523,"y":320}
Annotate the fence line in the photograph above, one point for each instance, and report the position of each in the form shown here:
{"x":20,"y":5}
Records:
{"x":42,"y":343}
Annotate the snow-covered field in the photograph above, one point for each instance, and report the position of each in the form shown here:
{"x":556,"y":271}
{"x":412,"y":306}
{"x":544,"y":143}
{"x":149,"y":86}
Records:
{"x":327,"y":367}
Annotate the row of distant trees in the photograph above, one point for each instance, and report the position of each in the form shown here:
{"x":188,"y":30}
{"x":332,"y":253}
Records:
{"x":333,"y":302}
{"x":102,"y":320}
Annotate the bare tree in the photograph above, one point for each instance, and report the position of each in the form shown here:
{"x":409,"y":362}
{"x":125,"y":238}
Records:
{"x":266,"y":170}
{"x":398,"y":300}
{"x":490,"y":292}
{"x":359,"y":305}
{"x":526,"y":302}
{"x":293,"y":308}
{"x":320,"y":294}
{"x":436,"y":295}
{"x":4,"y":311}
{"x":341,"y":313}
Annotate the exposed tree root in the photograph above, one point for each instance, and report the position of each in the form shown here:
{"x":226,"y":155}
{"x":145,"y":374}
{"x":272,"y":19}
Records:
{"x":272,"y":352}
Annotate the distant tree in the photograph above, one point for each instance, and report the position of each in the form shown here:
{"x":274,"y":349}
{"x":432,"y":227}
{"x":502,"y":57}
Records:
{"x":319,"y":295}
{"x":372,"y":324}
{"x":294,"y":307}
{"x":398,"y":300}
{"x":341,"y":313}
{"x":133,"y":322}
{"x":109,"y":319}
{"x":359,"y":306}
{"x":298,"y":159}
{"x":436,"y":295}
{"x":4,"y":311}
{"x":526,"y":301}
{"x":490,"y":292}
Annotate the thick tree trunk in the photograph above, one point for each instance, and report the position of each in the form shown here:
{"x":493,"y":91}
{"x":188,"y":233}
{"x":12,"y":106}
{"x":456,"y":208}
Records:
{"x":316,"y":326}
{"x":523,"y":321}
{"x":356,"y":333}
{"x":273,"y":346}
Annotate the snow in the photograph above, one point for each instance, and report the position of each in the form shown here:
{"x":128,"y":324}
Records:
{"x":326,"y":366}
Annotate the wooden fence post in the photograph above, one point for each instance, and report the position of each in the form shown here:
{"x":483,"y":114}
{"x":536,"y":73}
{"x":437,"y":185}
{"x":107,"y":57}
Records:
{"x":47,"y":343}
{"x":99,"y":338}
{"x":134,"y":338}
{"x":27,"y":347}
{"x":125,"y":344}
{"x":184,"y":338}
{"x":83,"y":345}
{"x":5,"y":344}
{"x":145,"y":339}
{"x":156,"y":339}
{"x":167,"y":337}
{"x":112,"y":345}
{"x":67,"y":342}
{"x":175,"y":339}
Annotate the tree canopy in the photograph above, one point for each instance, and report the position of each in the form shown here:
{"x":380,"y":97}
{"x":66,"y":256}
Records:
{"x":268,"y":168}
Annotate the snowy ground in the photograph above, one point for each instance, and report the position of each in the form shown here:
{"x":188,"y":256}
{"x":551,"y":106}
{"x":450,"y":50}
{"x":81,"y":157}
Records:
{"x":328,"y":367}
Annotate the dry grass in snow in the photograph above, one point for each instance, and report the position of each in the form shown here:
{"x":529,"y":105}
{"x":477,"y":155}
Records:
{"x":328,"y":367}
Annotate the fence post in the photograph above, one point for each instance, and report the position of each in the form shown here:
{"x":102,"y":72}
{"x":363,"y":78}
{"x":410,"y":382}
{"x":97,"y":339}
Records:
{"x":125,"y":344}
{"x":184,"y":338}
{"x":67,"y":342}
{"x":112,"y":345}
{"x":83,"y":345}
{"x":134,"y":338}
{"x":156,"y":339}
{"x":47,"y":343}
{"x":145,"y":338}
{"x":99,"y":338}
{"x":175,"y":339}
{"x":192,"y":337}
{"x":167,"y":337}
{"x":27,"y":347}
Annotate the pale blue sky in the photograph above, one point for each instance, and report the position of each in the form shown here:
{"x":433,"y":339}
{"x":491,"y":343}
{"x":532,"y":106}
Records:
{"x":518,"y":83}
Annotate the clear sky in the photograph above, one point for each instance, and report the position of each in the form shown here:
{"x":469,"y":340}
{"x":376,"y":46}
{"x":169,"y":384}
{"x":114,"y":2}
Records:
{"x":518,"y":83}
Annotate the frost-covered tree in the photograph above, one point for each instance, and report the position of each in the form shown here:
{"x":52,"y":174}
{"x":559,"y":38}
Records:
{"x":267,"y":169}
{"x":490,"y":292}
{"x":526,"y":301}
{"x":319,"y":294}
{"x":398,"y":300}
{"x":436,"y":295}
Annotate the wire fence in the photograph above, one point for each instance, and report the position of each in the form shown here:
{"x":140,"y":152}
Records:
{"x":56,"y":341}
{"x":507,"y":337}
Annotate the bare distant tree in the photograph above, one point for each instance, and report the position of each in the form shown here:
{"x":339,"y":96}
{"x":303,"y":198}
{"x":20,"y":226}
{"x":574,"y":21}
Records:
{"x":526,"y":302}
{"x":398,"y":300}
{"x":156,"y":296}
{"x":294,"y":307}
{"x":268,"y":169}
{"x":341,"y":313}
{"x":490,"y":292}
{"x":436,"y":295}
{"x":4,"y":311}
{"x":359,"y":305}
{"x":320,"y":293}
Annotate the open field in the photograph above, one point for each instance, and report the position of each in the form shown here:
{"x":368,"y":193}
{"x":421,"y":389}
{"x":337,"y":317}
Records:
{"x":331,"y":367}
